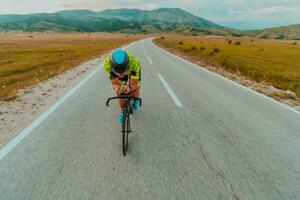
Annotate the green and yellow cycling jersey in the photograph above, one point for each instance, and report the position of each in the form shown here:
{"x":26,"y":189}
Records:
{"x":134,"y":71}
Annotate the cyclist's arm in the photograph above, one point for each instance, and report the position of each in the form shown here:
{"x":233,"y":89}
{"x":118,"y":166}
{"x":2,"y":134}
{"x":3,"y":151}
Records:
{"x":135,"y":74}
{"x":116,"y":86}
{"x":114,"y":80}
{"x":133,"y":84}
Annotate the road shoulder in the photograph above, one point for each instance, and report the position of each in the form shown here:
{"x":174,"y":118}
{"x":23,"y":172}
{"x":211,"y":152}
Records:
{"x":33,"y":101}
{"x":287,"y":98}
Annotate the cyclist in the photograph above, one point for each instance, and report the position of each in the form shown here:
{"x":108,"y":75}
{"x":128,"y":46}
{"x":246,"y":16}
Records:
{"x":122,"y":68}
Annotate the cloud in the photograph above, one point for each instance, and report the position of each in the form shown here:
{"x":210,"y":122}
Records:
{"x":109,"y":4}
{"x":277,"y":10}
{"x":260,"y":12}
{"x":269,"y":12}
{"x":236,"y":1}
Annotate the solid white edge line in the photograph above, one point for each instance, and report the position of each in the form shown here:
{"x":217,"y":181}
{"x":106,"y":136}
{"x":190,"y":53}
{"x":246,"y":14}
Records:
{"x":26,"y":131}
{"x":170,"y":91}
{"x":231,"y":81}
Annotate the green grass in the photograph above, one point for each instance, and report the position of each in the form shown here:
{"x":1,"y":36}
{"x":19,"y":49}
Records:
{"x":272,"y":62}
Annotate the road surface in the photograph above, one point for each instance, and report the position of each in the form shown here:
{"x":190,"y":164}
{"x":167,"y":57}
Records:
{"x":197,"y":136}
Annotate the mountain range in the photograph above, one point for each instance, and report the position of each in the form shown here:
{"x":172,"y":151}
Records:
{"x":162,"y":20}
{"x":291,"y":32}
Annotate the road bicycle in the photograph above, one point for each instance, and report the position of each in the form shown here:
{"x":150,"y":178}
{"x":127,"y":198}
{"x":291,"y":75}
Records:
{"x":126,"y":119}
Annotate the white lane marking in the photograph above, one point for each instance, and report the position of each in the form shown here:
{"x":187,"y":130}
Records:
{"x":144,"y":49}
{"x":145,"y":52}
{"x":233,"y":82}
{"x":25,"y":132}
{"x":170,"y":91}
{"x":149,"y":59}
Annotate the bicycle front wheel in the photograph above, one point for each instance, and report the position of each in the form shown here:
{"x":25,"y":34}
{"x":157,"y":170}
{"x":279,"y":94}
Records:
{"x":125,"y":131}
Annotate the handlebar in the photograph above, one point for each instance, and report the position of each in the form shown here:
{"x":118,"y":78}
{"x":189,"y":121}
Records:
{"x":126,"y":96}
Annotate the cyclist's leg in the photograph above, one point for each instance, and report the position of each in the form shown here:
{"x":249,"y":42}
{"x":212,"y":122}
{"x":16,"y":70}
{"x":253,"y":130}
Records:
{"x":122,"y":107}
{"x":122,"y":101}
{"x":121,"y":104}
{"x":136,"y":104}
{"x":137,"y":92}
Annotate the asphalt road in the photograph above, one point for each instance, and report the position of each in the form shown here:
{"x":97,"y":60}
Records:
{"x":197,"y":136}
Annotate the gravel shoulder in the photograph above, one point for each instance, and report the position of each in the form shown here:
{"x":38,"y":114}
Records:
{"x":31,"y":102}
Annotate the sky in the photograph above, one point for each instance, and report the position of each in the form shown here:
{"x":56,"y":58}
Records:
{"x":241,"y":14}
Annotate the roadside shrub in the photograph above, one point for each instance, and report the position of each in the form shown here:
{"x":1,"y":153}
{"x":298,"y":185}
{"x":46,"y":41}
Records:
{"x":279,"y":37}
{"x":226,"y":61}
{"x":211,"y":54}
{"x":216,"y":50}
{"x":202,"y":48}
{"x":194,"y":48}
{"x":295,"y":43}
{"x":238,"y":43}
{"x":181,"y":43}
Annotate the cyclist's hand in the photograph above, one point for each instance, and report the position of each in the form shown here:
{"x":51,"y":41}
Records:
{"x":126,"y":89}
{"x":118,"y":90}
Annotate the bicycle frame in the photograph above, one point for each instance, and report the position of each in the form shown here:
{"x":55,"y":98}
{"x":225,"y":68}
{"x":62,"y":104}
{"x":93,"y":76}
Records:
{"x":126,"y":120}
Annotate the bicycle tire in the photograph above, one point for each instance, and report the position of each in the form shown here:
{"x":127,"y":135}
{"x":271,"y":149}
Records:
{"x":124,"y":135}
{"x":130,"y":107}
{"x":126,"y":128}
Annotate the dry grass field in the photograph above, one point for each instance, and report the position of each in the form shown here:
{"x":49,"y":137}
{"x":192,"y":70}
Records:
{"x":26,"y":59}
{"x":271,"y":62}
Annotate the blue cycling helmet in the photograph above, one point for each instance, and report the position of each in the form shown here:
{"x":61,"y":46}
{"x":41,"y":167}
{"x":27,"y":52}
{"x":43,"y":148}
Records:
{"x":119,"y":61}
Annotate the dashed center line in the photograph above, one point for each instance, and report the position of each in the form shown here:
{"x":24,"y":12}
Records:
{"x":149,"y":59}
{"x":170,"y":91}
{"x":146,"y":54}
{"x":144,"y":50}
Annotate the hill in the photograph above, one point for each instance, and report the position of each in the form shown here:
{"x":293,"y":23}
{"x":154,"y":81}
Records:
{"x":163,"y":20}
{"x":291,"y":32}
{"x":118,"y":20}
